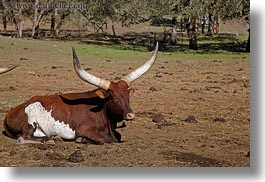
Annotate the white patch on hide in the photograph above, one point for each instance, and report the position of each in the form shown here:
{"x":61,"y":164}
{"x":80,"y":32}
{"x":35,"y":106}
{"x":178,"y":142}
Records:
{"x":46,"y":124}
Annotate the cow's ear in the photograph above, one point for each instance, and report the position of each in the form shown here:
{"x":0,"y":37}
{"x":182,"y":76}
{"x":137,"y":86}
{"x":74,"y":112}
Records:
{"x":131,"y":91}
{"x":102,"y":94}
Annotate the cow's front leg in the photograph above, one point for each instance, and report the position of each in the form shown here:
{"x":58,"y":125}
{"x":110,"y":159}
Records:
{"x":118,"y":136}
{"x":90,"y":137}
{"x":28,"y":137}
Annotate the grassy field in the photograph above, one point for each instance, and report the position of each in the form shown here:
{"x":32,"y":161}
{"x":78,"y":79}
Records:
{"x":210,"y":48}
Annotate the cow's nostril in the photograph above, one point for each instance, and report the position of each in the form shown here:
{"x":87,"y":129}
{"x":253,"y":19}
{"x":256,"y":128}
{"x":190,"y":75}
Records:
{"x":130,"y":116}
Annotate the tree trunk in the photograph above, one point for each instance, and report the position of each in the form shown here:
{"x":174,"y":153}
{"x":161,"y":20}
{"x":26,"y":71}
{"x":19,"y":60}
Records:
{"x":113,"y":29}
{"x":203,"y":22}
{"x":41,"y":17}
{"x":173,"y":39}
{"x":60,"y":23}
{"x":4,"y":22}
{"x":35,"y":19}
{"x":217,"y":28}
{"x":20,"y":24}
{"x":53,"y":20}
{"x":217,"y":25}
{"x":248,"y":43}
{"x":18,"y":21}
{"x":181,"y":24}
{"x":106,"y":26}
{"x":191,"y":30}
{"x":210,"y":25}
{"x":4,"y":16}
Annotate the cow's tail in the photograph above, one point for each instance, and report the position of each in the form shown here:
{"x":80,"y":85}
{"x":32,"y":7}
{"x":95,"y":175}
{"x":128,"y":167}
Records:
{"x":7,"y":131}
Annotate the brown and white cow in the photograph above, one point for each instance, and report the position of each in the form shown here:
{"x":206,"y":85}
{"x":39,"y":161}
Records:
{"x":90,"y":117}
{"x":7,"y":69}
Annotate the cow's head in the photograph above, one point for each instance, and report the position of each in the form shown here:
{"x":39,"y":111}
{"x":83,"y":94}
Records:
{"x":7,"y":69}
{"x":119,"y":92}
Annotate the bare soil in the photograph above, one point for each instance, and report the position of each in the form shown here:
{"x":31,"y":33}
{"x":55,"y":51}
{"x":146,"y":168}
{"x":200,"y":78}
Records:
{"x":188,"y":113}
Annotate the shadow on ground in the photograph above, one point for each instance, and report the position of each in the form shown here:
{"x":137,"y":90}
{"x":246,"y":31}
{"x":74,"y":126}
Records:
{"x":145,"y":41}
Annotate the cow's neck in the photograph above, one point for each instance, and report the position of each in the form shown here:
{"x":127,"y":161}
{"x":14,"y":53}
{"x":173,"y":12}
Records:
{"x":110,"y":123}
{"x":113,"y":119}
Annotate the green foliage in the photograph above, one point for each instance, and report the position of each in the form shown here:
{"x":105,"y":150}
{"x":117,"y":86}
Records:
{"x":137,"y":11}
{"x":235,"y":9}
{"x":228,"y":9}
{"x":126,"y":12}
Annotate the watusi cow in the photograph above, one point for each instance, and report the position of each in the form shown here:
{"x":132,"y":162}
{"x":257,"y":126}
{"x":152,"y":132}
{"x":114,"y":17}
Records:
{"x":88,"y":117}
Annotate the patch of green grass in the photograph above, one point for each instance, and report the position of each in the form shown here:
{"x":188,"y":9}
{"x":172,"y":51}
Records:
{"x":112,"y":51}
{"x":210,"y":48}
{"x":217,"y":47}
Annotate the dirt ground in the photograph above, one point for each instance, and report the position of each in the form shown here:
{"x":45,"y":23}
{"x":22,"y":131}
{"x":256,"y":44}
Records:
{"x":188,"y":113}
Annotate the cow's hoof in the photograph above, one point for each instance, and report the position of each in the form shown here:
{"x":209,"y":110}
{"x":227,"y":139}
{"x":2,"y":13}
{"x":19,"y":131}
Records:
{"x":50,"y":142}
{"x":79,"y":140}
{"x":20,"y":140}
{"x":57,"y":138}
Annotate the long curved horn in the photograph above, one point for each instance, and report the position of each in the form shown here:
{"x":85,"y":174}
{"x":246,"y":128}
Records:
{"x":4,"y":70}
{"x":87,"y":77}
{"x":142,"y":69}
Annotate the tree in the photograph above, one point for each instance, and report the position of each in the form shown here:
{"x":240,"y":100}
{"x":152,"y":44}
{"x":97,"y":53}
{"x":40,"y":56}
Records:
{"x":35,"y":17}
{"x":238,"y":9}
{"x":4,"y":16}
{"x":96,"y":14}
{"x":191,"y":10}
{"x":100,"y":12}
{"x":191,"y":31}
{"x":173,"y":39}
{"x":215,"y":9}
{"x":19,"y":22}
{"x":11,"y":10}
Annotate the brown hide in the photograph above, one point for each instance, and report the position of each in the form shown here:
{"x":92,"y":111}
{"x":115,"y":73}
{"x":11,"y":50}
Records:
{"x":92,"y":117}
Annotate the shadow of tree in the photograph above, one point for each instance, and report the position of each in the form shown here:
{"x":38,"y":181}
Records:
{"x":161,"y":22}
{"x":144,"y":41}
{"x":228,"y":46}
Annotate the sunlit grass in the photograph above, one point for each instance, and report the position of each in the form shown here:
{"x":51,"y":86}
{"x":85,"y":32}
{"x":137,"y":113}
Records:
{"x":210,"y":48}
